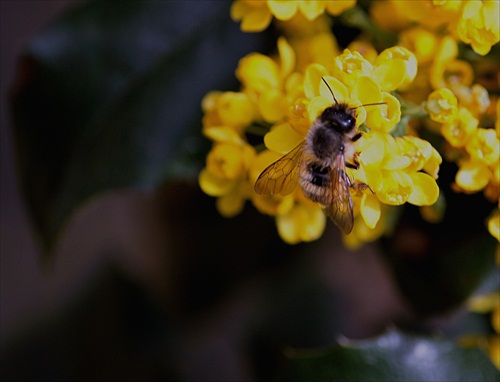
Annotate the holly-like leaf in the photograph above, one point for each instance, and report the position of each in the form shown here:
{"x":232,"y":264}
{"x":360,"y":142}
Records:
{"x":106,"y":96}
{"x":393,"y":356}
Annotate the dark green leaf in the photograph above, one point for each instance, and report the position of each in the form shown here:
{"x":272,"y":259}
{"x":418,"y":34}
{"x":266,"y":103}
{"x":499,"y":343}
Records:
{"x":391,"y":357}
{"x":107,"y":95}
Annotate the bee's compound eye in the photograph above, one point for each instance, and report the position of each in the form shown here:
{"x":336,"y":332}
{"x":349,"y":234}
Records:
{"x":347,"y":122}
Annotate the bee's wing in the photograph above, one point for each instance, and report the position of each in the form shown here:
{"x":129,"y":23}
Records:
{"x":281,"y":177}
{"x":340,"y":208}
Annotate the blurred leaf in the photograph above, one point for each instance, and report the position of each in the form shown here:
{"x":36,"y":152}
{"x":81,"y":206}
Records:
{"x":393,"y":356}
{"x":107,"y":95}
{"x":437,"y":266}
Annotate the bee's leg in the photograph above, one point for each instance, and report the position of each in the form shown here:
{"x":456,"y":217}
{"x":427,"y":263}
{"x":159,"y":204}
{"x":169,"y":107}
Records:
{"x":360,"y":187}
{"x":355,"y":162}
{"x":356,"y":137}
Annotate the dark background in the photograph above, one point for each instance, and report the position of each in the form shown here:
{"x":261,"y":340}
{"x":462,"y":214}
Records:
{"x":25,"y":287}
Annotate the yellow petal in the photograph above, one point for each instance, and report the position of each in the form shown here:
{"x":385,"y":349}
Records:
{"x":425,"y":190}
{"x":395,"y":188}
{"x":302,"y":223}
{"x":395,"y":67}
{"x":223,"y":134}
{"x":312,"y":79}
{"x":473,"y":176}
{"x":395,"y":162}
{"x":338,"y":6}
{"x":493,"y":224}
{"x":287,"y":57}
{"x":226,"y":161}
{"x":235,"y":109}
{"x":372,"y":147}
{"x":483,"y":303}
{"x":283,"y":9}
{"x":349,"y":66}
{"x":370,"y":210}
{"x":312,"y":9}
{"x":258,"y":72}
{"x":390,"y":75}
{"x":253,"y":19}
{"x":432,"y":164}
{"x":336,"y":87}
{"x":366,"y":90}
{"x":273,"y":204}
{"x":272,"y":105}
{"x":442,"y":105}
{"x":213,"y":185}
{"x":230,"y":204}
{"x":384,"y":117}
{"x":282,"y":138}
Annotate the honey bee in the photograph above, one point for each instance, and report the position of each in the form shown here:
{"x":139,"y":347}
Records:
{"x":318,"y":165}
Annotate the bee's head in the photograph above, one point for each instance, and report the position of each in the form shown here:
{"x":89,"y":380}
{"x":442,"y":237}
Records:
{"x":339,"y":117}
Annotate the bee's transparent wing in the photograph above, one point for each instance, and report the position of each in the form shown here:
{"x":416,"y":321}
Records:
{"x":340,"y":207}
{"x":281,"y":177}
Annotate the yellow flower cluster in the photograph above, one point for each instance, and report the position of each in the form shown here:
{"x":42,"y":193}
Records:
{"x":459,"y":107}
{"x":474,"y":22}
{"x":423,"y":76}
{"x":462,"y":111}
{"x":278,"y":103}
{"x":256,"y":15}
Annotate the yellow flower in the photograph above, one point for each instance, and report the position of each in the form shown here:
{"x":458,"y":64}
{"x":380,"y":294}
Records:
{"x":364,"y":48}
{"x":381,"y":117}
{"x":225,"y":176}
{"x":428,"y":13}
{"x":421,"y":42}
{"x":392,"y":167}
{"x":281,"y":104}
{"x":451,"y":74}
{"x":493,"y":224}
{"x":458,"y":132}
{"x":304,"y":222}
{"x":266,"y":81}
{"x":484,"y":145}
{"x":350,"y":66}
{"x":227,"y":109}
{"x":395,"y":67}
{"x":473,"y":175}
{"x":318,"y":48}
{"x":442,"y":105}
{"x":255,"y":15}
{"x":258,"y":73}
{"x":479,"y":25}
{"x":475,"y":98}
{"x":388,"y":15}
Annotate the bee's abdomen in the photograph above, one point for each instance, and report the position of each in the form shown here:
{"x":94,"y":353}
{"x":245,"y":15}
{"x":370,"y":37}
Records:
{"x":319,"y":175}
{"x":315,"y":182}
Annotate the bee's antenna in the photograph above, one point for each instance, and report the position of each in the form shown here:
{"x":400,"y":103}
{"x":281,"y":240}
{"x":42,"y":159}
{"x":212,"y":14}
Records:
{"x":335,"y":99}
{"x":331,"y":91}
{"x":371,"y":104}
